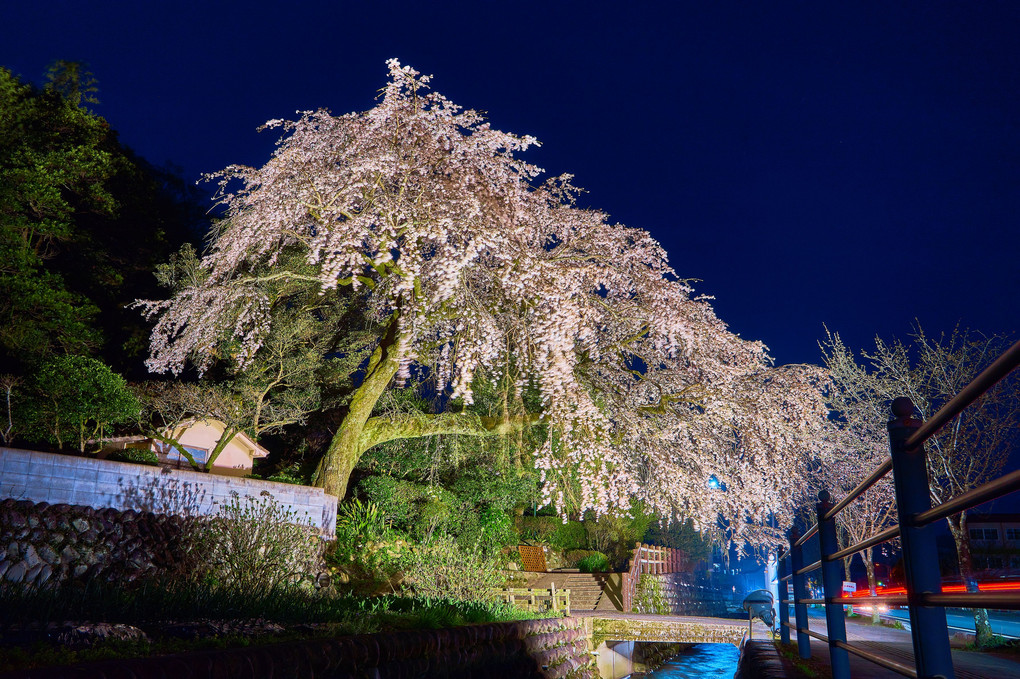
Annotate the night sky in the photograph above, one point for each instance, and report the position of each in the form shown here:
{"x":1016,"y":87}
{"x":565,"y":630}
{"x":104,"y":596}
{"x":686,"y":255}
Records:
{"x":851,"y":164}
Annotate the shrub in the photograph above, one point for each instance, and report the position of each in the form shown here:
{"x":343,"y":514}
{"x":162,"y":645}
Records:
{"x":364,"y":550}
{"x":358,"y":522}
{"x":596,"y":562}
{"x":442,"y":569}
{"x":257,"y":545}
{"x":290,"y":474}
{"x":497,"y":530}
{"x":573,"y":557}
{"x":552,"y":530}
{"x":420,"y":509}
{"x":135,"y":456}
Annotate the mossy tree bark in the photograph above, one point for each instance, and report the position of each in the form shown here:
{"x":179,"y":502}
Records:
{"x":359,"y":431}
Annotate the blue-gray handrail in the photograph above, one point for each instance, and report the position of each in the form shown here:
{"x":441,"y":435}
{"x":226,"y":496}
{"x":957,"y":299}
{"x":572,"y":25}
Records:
{"x":924,"y":598}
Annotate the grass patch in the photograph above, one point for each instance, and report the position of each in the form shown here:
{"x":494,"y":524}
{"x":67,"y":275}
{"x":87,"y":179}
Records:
{"x":150,"y":607}
{"x":811,"y":668}
{"x":998,"y":645}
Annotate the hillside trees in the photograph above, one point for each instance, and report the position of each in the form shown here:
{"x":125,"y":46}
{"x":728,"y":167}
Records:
{"x":83,"y":222}
{"x":461,"y":268}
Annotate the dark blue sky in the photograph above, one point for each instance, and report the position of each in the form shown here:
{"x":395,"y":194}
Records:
{"x":851,"y":164}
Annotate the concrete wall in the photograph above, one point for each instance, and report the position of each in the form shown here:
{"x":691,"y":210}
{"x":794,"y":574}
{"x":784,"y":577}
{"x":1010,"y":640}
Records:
{"x":88,"y":482}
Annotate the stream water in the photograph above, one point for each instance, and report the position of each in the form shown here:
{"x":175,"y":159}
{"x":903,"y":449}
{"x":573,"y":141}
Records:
{"x":700,"y":661}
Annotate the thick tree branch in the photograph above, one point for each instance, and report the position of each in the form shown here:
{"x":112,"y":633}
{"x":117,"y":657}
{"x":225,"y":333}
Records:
{"x":413,"y":425}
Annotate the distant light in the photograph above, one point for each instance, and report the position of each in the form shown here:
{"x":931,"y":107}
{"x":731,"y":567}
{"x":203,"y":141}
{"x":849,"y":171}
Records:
{"x":713,"y":482}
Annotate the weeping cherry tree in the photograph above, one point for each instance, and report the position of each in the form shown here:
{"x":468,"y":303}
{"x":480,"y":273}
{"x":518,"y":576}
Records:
{"x":468,"y":268}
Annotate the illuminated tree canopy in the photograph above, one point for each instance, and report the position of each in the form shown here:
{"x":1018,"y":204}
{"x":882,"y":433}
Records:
{"x":466,"y":268}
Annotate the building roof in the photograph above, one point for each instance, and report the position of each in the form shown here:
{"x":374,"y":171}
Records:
{"x":992,"y":518}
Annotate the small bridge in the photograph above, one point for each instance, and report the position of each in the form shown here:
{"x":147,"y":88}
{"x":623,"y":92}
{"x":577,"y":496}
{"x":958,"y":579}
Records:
{"x":639,"y":627}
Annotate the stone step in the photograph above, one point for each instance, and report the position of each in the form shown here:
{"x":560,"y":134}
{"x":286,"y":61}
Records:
{"x":585,"y":591}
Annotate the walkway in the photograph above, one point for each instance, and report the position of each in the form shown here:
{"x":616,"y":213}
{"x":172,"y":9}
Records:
{"x":895,"y":645}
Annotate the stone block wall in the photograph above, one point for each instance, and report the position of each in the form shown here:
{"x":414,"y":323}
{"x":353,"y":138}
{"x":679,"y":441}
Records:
{"x":89,"y":482}
{"x":43,"y":544}
{"x":688,"y":599}
{"x":529,"y":649}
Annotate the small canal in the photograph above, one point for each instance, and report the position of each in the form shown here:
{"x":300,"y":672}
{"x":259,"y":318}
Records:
{"x":700,"y":661}
{"x":630,"y":660}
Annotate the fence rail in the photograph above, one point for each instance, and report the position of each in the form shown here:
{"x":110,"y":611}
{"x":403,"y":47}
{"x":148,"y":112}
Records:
{"x":915,"y":515}
{"x":538,"y":600}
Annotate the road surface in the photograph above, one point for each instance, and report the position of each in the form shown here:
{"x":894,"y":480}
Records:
{"x":1005,"y":624}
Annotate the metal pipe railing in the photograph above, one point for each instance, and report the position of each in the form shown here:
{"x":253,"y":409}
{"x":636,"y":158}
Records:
{"x":877,"y":659}
{"x":807,"y":536}
{"x":1003,"y":600}
{"x":972,"y":498}
{"x":875,"y":477}
{"x":877,"y":539}
{"x":1001,"y":367}
{"x":807,"y":569}
{"x":892,"y":599}
{"x":927,"y":602}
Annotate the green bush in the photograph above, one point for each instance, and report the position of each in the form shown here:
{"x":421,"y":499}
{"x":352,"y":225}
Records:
{"x":497,"y":530}
{"x":75,"y":400}
{"x":442,"y":569}
{"x":366,"y":552}
{"x":596,"y":562}
{"x":420,"y":509}
{"x":573,"y":557}
{"x":290,"y":474}
{"x":135,"y":456}
{"x":552,"y":530}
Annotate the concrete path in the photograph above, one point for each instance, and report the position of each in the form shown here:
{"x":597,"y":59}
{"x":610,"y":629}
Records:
{"x":896,"y":645}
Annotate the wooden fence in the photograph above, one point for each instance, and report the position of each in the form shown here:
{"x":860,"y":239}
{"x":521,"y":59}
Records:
{"x":538,"y":599}
{"x":532,"y":558}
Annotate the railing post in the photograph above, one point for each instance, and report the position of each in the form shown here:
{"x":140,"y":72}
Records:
{"x":799,"y":592}
{"x":928,"y":628}
{"x":784,"y":596}
{"x":832,"y":585}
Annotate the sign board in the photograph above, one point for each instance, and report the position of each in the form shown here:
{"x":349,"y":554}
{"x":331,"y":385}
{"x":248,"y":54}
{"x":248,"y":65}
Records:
{"x":849,"y":587}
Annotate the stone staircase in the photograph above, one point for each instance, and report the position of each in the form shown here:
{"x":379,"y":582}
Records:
{"x":585,"y":591}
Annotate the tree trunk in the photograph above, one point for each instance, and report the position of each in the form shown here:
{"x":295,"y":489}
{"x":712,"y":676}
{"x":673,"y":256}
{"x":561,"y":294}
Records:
{"x":228,"y":435}
{"x":958,"y":528}
{"x":359,"y":431}
{"x":346,"y":447}
{"x":869,"y":565}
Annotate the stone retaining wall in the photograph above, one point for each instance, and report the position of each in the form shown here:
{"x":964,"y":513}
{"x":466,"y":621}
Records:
{"x":687,"y":599}
{"x":530,"y":649}
{"x":760,"y":660}
{"x":43,"y":544}
{"x":90,"y":482}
